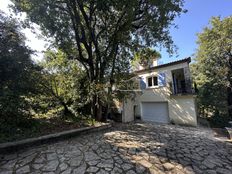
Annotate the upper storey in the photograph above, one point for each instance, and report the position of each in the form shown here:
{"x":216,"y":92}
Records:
{"x":175,"y":75}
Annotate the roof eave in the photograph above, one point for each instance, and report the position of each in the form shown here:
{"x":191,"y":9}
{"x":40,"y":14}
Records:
{"x":188,"y":60}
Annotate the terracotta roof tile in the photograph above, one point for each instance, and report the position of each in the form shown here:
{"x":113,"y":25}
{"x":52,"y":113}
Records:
{"x":165,"y":65}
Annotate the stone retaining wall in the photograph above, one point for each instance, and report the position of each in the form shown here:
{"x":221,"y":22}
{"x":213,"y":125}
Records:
{"x":10,"y":147}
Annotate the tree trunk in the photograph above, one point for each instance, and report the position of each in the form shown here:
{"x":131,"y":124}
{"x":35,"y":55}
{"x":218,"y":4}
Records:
{"x":99,"y":111}
{"x":229,"y":101}
{"x":229,"y":89}
{"x":96,"y":108}
{"x":66,"y":113}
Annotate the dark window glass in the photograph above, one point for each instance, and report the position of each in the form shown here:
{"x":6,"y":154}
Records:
{"x":149,"y":81}
{"x":155,"y":81}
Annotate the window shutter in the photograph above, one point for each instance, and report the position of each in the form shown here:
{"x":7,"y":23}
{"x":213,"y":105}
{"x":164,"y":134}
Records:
{"x":161,"y":79}
{"x":142,"y":83}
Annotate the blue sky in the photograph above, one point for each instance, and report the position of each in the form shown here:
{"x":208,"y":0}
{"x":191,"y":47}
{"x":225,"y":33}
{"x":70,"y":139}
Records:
{"x":189,"y":24}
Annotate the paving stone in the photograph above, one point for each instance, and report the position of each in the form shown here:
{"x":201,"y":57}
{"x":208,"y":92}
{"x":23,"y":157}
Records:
{"x":90,"y":156}
{"x":50,"y":166}
{"x":75,"y":161}
{"x":40,"y":159}
{"x":197,"y":170}
{"x":178,"y":171}
{"x":210,"y":172}
{"x":37,"y":166}
{"x":168,"y":166}
{"x":9,"y":165}
{"x":63,"y":166}
{"x":105,"y":165}
{"x":6,"y":172}
{"x":102,"y":172}
{"x":145,"y":163}
{"x":126,"y":166}
{"x":67,"y":171}
{"x":116,"y":170}
{"x":139,"y":168}
{"x":131,"y":172}
{"x":223,"y":171}
{"x":189,"y":170}
{"x":127,"y":148}
{"x":26,"y":160}
{"x":208,"y":164}
{"x":93,"y":163}
{"x":24,"y":169}
{"x":80,"y":170}
{"x":92,"y":169}
{"x":51,"y":156}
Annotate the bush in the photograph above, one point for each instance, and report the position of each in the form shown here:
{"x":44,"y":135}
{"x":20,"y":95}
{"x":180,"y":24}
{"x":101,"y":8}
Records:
{"x":219,"y":120}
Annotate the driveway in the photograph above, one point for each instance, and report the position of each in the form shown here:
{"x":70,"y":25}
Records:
{"x":127,"y":148}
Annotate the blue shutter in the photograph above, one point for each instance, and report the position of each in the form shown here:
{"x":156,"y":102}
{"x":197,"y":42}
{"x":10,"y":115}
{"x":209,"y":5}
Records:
{"x":142,"y":83}
{"x":161,"y":79}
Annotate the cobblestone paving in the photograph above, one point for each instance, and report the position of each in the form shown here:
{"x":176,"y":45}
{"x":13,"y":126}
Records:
{"x":127,"y":148}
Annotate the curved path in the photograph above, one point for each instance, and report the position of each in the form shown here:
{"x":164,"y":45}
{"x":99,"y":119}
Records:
{"x":127,"y":148}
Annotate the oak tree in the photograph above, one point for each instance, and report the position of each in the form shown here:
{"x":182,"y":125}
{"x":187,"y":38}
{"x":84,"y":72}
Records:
{"x":102,"y":33}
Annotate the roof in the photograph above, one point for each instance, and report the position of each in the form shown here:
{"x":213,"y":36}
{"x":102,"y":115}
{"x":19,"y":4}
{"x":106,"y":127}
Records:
{"x":188,"y":60}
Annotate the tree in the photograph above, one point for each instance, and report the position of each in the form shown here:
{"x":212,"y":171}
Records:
{"x":18,"y":74}
{"x":145,"y":57}
{"x":213,"y":67}
{"x":62,"y":80}
{"x":100,"y":34}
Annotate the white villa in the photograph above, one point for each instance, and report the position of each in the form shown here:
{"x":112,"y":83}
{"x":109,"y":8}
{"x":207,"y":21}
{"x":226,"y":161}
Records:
{"x":166,"y":95}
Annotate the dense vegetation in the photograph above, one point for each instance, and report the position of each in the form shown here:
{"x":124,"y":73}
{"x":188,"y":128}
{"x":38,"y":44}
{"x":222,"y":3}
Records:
{"x":212,"y":71}
{"x":102,"y":35}
{"x":93,"y":43}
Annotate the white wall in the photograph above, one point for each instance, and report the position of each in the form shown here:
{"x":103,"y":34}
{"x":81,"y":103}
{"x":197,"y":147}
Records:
{"x":167,"y":70}
{"x":182,"y":109}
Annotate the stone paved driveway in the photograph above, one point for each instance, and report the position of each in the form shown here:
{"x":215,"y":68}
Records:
{"x":127,"y":148}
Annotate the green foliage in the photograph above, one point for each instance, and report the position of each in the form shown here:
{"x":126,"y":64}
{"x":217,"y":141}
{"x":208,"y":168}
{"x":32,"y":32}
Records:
{"x":218,"y":120}
{"x":145,"y":57}
{"x":63,"y":81}
{"x":18,"y":77}
{"x":212,"y":70}
{"x":101,"y":35}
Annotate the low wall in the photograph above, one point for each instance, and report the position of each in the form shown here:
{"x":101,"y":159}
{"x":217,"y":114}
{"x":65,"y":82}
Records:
{"x":182,"y":110}
{"x":10,"y":147}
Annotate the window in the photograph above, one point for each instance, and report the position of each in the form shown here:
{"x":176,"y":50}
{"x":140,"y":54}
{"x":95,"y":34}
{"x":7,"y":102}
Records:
{"x":149,"y":81}
{"x":155,"y":81}
{"x":152,"y":81}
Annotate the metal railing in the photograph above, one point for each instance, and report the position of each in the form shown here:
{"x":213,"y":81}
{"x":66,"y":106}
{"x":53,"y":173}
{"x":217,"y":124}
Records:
{"x":186,"y":87}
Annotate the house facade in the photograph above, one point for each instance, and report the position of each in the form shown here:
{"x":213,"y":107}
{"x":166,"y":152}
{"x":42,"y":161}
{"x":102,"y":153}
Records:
{"x":166,"y":95}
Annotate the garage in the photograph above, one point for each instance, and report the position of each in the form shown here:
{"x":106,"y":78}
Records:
{"x":155,"y":111}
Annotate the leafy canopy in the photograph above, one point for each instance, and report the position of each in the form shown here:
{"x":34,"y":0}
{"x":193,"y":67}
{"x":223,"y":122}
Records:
{"x":213,"y":67}
{"x":102,"y":34}
{"x":18,"y":74}
{"x":145,"y":57}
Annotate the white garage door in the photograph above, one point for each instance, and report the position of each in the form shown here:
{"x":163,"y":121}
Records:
{"x":155,"y":111}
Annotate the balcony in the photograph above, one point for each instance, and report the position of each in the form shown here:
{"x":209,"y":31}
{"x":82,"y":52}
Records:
{"x":184,"y":89}
{"x":181,"y":85}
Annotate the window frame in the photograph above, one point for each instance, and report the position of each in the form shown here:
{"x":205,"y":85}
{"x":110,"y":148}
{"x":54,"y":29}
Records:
{"x":152,"y":81}
{"x":157,"y":84}
{"x":149,"y":82}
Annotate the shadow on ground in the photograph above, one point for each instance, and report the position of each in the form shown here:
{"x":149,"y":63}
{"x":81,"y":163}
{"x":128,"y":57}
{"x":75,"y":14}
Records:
{"x":127,"y":148}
